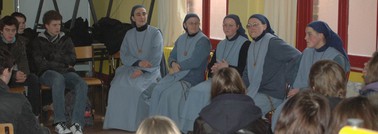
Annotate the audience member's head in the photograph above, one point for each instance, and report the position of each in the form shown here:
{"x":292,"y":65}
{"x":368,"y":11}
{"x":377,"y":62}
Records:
{"x":21,"y":18}
{"x":8,"y":27}
{"x":328,"y":78}
{"x":371,"y":68}
{"x":51,"y":16}
{"x":227,"y":81}
{"x":373,"y":100}
{"x":356,"y":107}
{"x":305,"y":113}
{"x":6,"y":64}
{"x":52,"y":21}
{"x":158,"y":125}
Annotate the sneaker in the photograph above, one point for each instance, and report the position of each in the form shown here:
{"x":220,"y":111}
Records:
{"x":76,"y":129}
{"x":61,"y":128}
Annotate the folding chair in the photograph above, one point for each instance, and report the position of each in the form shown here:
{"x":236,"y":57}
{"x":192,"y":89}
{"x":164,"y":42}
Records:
{"x":84,"y":57}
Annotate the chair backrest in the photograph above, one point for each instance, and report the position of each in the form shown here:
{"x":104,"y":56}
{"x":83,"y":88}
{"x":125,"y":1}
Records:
{"x":84,"y":58}
{"x":6,"y":128}
{"x":115,"y":60}
{"x":84,"y":52}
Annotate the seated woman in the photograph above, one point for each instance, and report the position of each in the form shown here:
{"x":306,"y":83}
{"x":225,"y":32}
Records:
{"x":322,"y":44}
{"x":357,"y":108}
{"x":141,"y":54}
{"x":370,"y":76}
{"x":230,"y":52}
{"x":268,"y":63}
{"x":188,"y":61}
{"x":230,"y":110}
{"x":326,"y":78}
{"x":305,"y":113}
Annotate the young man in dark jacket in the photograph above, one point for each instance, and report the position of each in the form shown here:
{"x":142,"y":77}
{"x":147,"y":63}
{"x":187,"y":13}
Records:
{"x":15,"y":108}
{"x":21,"y":73}
{"x":54,"y":56}
{"x":29,"y":35}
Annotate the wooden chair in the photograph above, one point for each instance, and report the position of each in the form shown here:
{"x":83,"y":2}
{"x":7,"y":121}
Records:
{"x":114,"y":62}
{"x":6,"y":128}
{"x":84,"y":57}
{"x":84,"y":63}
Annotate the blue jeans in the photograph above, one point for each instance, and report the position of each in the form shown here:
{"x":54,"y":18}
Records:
{"x":58,"y":83}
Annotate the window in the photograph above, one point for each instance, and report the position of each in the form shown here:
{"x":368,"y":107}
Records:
{"x":211,"y":25}
{"x":217,"y":11}
{"x":195,"y":6}
{"x":327,"y":11}
{"x":362,"y":28}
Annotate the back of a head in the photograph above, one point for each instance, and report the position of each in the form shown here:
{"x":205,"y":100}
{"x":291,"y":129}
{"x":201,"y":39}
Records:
{"x":355,"y":107}
{"x":227,"y":81}
{"x":372,"y":69}
{"x":328,"y":78}
{"x":158,"y":125}
{"x":373,"y":101}
{"x":305,"y":113}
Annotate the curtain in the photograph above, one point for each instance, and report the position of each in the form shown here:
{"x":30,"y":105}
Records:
{"x":282,"y":15}
{"x":171,"y":13}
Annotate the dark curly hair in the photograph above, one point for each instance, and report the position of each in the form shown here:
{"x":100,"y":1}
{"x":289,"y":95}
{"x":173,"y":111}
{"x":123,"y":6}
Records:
{"x":9,"y":21}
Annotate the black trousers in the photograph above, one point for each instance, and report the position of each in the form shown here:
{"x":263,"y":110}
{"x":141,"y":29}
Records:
{"x":33,"y":93}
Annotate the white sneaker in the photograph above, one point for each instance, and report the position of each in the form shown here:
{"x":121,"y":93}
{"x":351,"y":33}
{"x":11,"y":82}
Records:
{"x":61,"y":128}
{"x":76,"y":129}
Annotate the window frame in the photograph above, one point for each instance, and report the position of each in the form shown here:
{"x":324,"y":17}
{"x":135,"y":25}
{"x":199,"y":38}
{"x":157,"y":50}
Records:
{"x":206,"y":21}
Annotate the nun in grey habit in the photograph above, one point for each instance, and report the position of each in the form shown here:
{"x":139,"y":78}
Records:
{"x":188,"y":61}
{"x":268,"y":63}
{"x":322,"y":44}
{"x":232,"y":52}
{"x":141,"y":53}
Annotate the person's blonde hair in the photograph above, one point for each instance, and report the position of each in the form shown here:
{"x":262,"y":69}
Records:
{"x":372,"y":69}
{"x":307,"y":112}
{"x":328,"y":78}
{"x":227,"y":81}
{"x":158,"y":125}
{"x":356,"y":107}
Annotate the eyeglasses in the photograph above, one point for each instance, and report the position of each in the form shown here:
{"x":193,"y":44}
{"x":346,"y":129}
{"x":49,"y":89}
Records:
{"x":249,"y":25}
